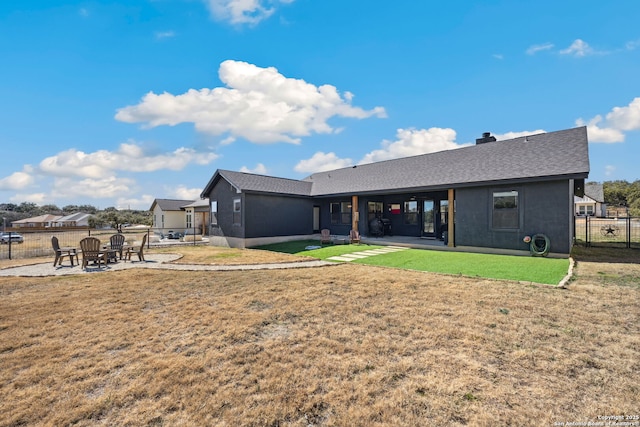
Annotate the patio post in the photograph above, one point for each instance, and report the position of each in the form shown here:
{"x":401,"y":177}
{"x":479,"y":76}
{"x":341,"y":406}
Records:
{"x":354,"y":213}
{"x":451,"y":218}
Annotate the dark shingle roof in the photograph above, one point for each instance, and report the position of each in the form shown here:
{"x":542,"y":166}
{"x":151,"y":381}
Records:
{"x":260,"y":183}
{"x":544,"y":156}
{"x":595,"y":191}
{"x":547,"y":155}
{"x":170,"y":204}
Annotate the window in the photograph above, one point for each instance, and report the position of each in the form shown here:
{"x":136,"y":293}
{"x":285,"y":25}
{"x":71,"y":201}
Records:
{"x":237,"y":212}
{"x":341,"y":213}
{"x":585,"y":210}
{"x":411,"y":212}
{"x":189,"y":216}
{"x":374,"y":210}
{"x":505,"y":209}
{"x":214,"y":212}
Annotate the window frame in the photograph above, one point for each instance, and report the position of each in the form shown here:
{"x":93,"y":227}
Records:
{"x":410,"y":215}
{"x":341,"y":216}
{"x":213,"y":217}
{"x":237,"y":211}
{"x":505,"y":217}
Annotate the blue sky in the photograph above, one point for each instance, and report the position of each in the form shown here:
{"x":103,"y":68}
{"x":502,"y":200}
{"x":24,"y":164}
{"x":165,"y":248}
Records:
{"x":115,"y":103}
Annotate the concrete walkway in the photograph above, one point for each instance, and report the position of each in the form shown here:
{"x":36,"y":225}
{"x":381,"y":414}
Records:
{"x":155,"y":261}
{"x":365,"y":254}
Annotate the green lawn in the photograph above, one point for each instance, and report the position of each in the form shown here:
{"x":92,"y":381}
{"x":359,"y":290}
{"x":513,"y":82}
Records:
{"x":523,"y":268}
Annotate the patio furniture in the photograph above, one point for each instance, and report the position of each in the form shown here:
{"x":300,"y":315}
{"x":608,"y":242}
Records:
{"x":325,"y":236}
{"x":117,"y":243}
{"x":354,"y":236}
{"x":138,"y":251}
{"x":91,"y":251}
{"x":69,"y":252}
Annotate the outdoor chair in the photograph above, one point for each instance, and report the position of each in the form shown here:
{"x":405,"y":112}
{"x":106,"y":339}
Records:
{"x":63,"y":252}
{"x":354,"y":236}
{"x":117,"y":242}
{"x":91,"y":251}
{"x":325,"y":236}
{"x":138,"y":251}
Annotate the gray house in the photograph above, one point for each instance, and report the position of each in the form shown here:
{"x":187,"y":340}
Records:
{"x":487,"y":196}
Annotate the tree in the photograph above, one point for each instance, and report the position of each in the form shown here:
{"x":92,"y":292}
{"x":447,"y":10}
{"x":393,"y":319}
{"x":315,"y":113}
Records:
{"x":27,"y":207}
{"x":49,"y":209}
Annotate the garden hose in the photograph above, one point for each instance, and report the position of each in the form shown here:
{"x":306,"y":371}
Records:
{"x":539,"y":245}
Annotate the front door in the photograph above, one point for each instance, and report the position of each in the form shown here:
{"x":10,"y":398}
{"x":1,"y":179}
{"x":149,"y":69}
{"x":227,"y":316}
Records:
{"x":428,"y":219}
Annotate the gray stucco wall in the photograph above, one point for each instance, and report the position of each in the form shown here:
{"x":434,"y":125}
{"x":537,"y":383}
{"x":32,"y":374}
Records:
{"x":545,"y":208}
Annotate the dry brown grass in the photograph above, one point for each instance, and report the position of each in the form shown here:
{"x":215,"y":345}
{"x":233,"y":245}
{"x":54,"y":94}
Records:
{"x":212,"y":255}
{"x":201,"y":254}
{"x":345,"y":345}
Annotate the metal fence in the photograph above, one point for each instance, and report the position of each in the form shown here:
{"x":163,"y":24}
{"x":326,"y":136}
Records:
{"x":37,"y":242}
{"x":611,"y":232}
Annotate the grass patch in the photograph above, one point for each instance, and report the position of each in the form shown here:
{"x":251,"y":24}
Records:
{"x":529,"y":269}
{"x":520,"y":268}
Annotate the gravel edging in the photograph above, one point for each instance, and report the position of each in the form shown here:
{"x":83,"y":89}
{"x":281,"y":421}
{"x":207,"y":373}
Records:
{"x":153,"y":261}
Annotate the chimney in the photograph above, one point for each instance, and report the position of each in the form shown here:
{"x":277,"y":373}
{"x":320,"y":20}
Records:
{"x":486,"y":137}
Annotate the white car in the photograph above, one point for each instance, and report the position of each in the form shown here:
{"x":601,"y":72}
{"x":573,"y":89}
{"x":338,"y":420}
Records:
{"x":15,"y":238}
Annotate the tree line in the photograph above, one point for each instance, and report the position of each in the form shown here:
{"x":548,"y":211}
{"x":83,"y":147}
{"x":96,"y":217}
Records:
{"x":623,"y":194}
{"x":99,"y":218}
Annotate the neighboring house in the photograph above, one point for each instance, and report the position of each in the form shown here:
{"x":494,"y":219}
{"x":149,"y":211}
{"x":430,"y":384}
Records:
{"x":40,"y":221}
{"x":180,"y":215}
{"x":592,"y":203}
{"x":197,"y":217}
{"x":500,"y":192}
{"x":78,"y":219}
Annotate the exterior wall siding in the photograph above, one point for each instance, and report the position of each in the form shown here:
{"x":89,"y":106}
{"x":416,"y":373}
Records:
{"x":173,"y":220}
{"x":267,"y":216}
{"x":544,"y":208}
{"x":224,"y":193}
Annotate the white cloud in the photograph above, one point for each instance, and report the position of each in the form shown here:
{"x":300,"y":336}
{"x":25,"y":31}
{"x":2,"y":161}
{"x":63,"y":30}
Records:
{"x":164,"y":34}
{"x":320,"y":162}
{"x":498,"y":56}
{"x":139,"y":203}
{"x":609,"y":170}
{"x":411,"y":142}
{"x":632,"y":45}
{"x":618,"y":120}
{"x":184,"y":193}
{"x":600,"y":134}
{"x":260,"y":169}
{"x":37,"y":198}
{"x":129,"y":157}
{"x":626,"y":118}
{"x":84,"y":12}
{"x":243,"y":11}
{"x":65,"y":187}
{"x":539,"y":48}
{"x":258,"y":104}
{"x":512,"y":135}
{"x":578,"y":48}
{"x":16,"y":181}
